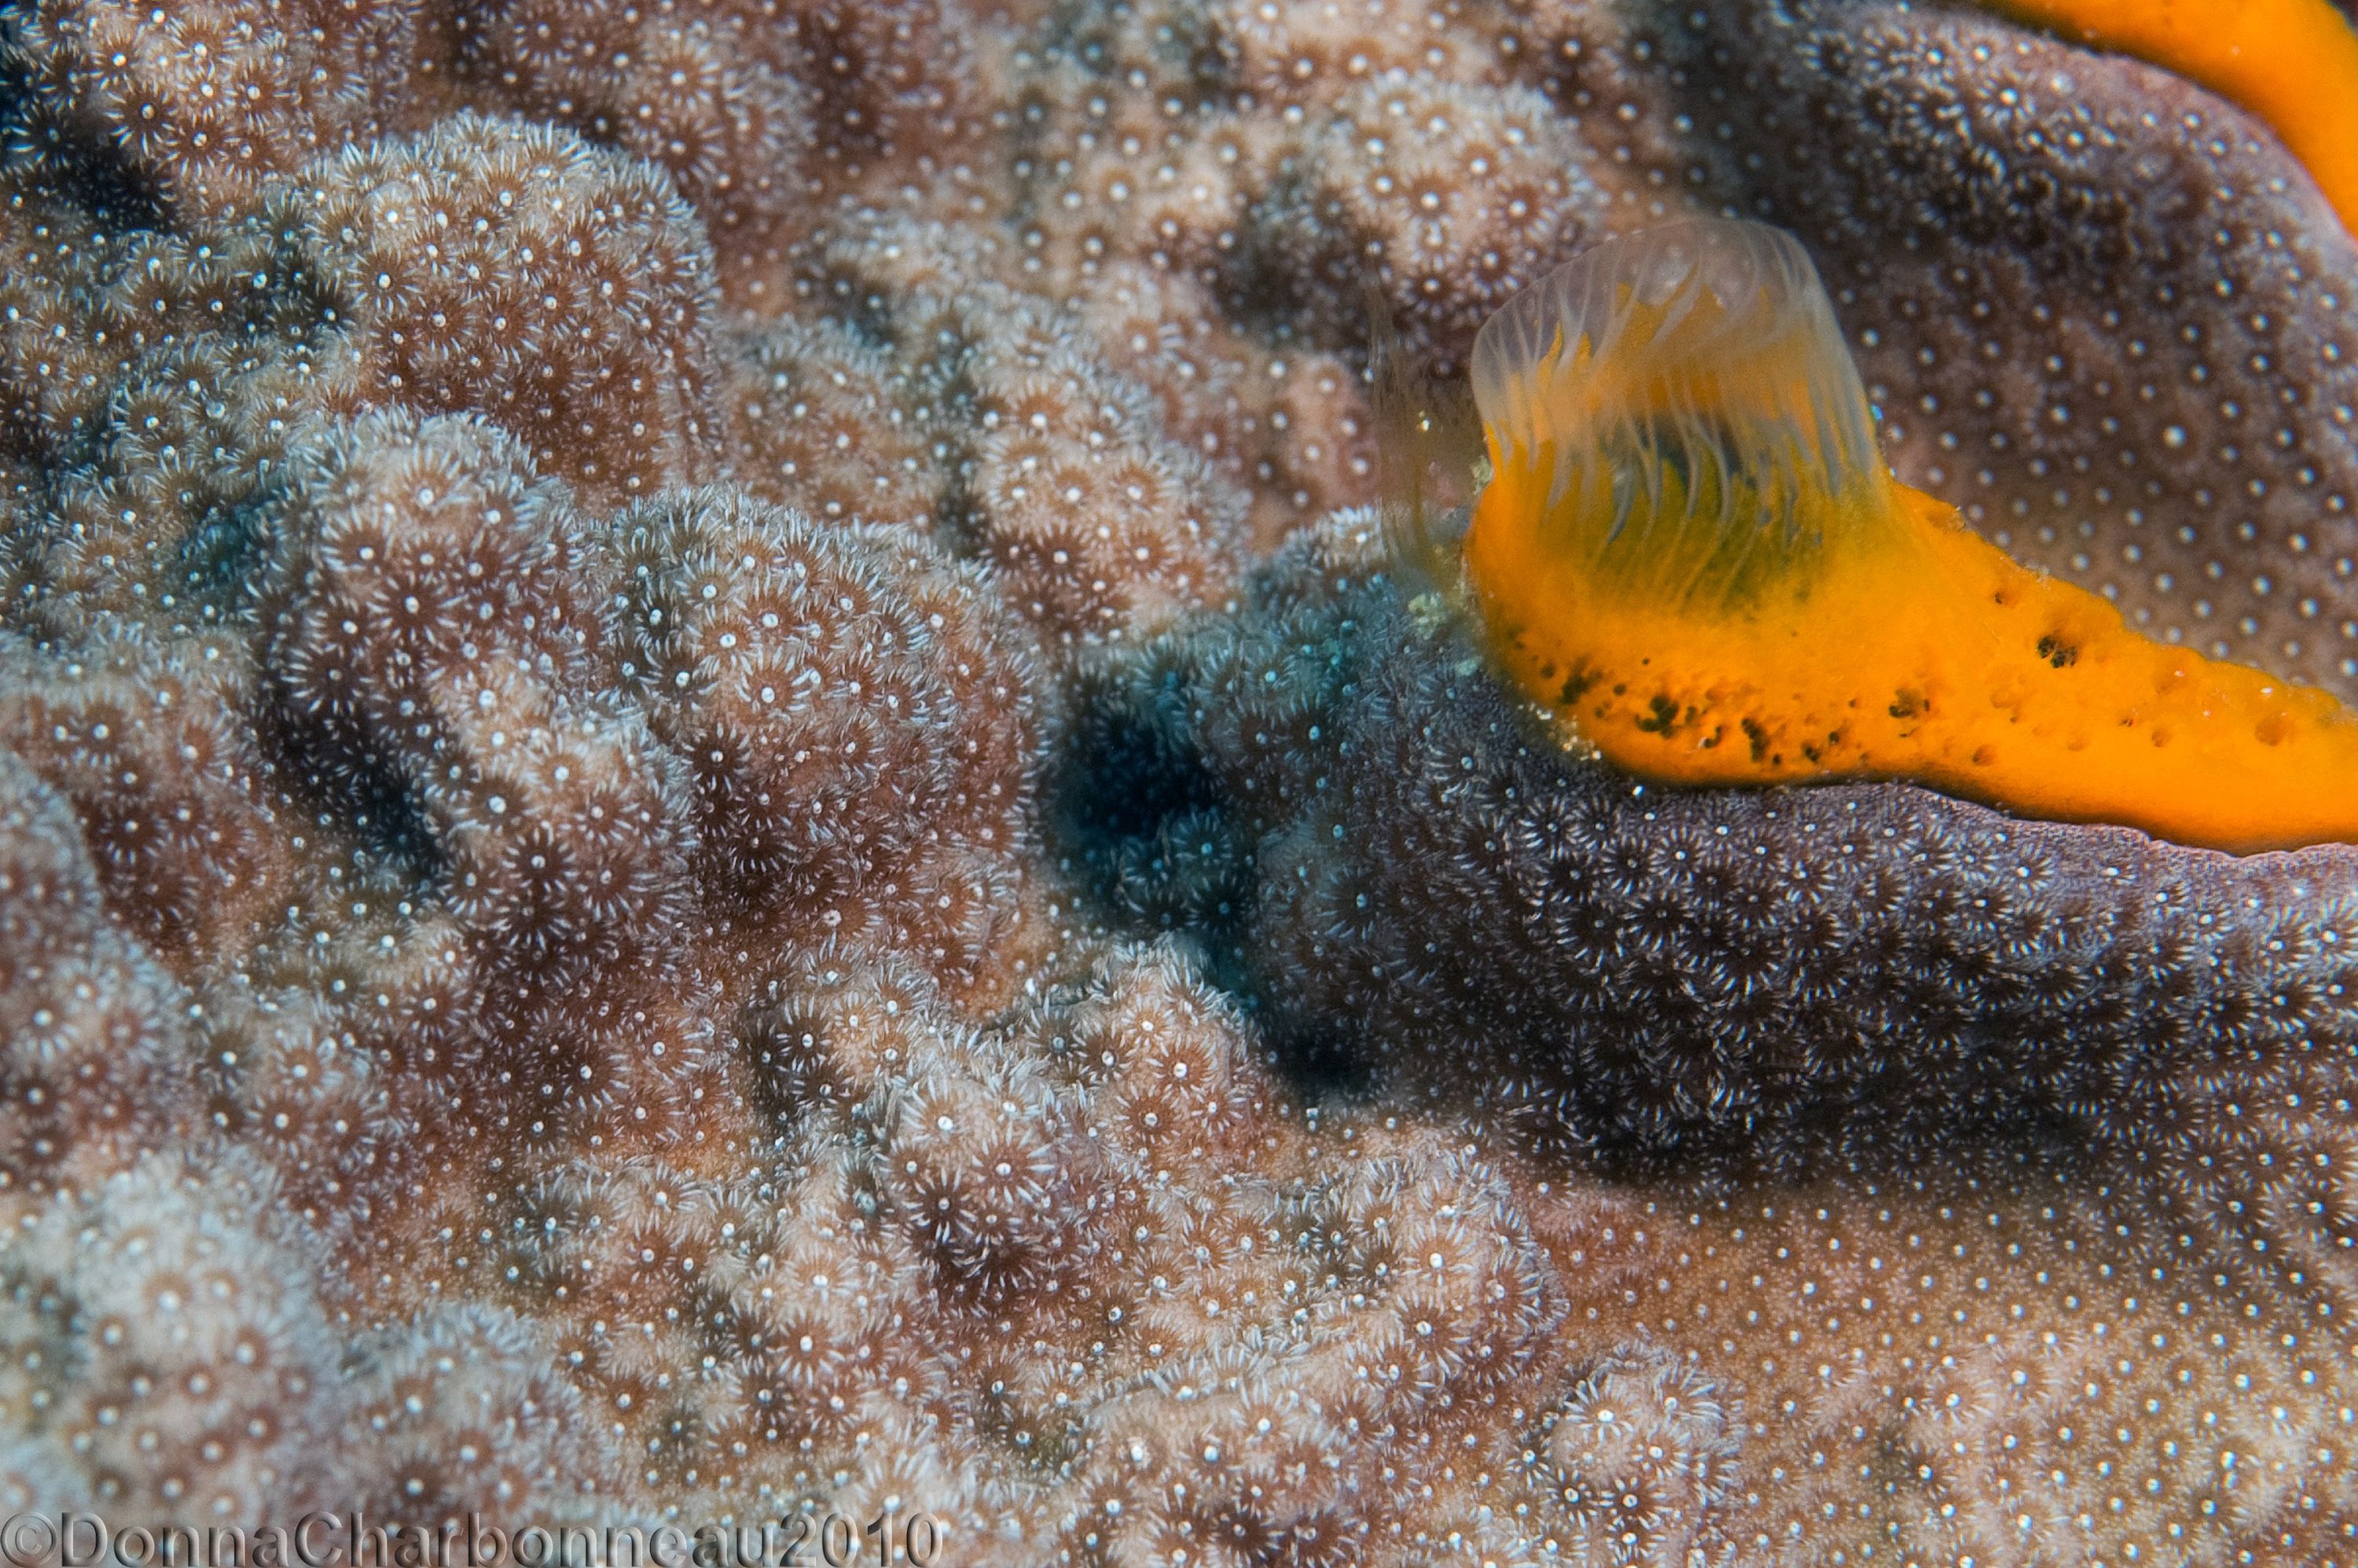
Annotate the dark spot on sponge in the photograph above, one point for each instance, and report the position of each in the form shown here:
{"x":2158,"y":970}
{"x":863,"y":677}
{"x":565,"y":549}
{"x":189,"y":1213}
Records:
{"x":1662,"y":715}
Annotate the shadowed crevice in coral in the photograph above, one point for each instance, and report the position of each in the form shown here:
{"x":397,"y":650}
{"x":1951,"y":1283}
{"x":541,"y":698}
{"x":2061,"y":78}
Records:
{"x":1291,"y":281}
{"x":89,"y":171}
{"x":1143,"y":819}
{"x":79,"y":157}
{"x":337,"y":778}
{"x":224,"y":548}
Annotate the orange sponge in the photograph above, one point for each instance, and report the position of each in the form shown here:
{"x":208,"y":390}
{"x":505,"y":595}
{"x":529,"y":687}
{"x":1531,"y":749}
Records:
{"x":1691,"y":549}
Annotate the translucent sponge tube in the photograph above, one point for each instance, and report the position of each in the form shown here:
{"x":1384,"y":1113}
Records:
{"x":1689,"y":397}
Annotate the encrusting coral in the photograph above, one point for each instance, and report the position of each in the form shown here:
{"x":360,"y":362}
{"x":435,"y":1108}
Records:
{"x":716,"y":802}
{"x":2292,"y":62}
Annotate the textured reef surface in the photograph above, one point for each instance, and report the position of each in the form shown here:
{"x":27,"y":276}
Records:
{"x":714,"y":801}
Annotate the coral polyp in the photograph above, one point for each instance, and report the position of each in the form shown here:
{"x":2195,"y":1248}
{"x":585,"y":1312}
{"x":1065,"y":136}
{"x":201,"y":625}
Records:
{"x":1690,"y":547}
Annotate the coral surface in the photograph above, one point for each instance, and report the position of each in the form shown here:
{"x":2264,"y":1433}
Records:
{"x":716,"y":804}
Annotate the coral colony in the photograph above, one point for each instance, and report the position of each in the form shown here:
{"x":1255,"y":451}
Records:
{"x":734,"y":793}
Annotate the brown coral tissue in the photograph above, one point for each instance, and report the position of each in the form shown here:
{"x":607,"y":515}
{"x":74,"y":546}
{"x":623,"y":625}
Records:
{"x":717,"y":807}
